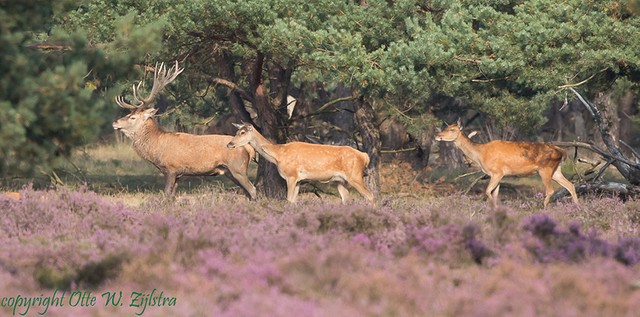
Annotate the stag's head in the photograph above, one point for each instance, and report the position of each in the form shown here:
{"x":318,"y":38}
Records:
{"x":243,"y":136}
{"x":140,"y":107}
{"x":132,"y":122}
{"x":450,"y":133}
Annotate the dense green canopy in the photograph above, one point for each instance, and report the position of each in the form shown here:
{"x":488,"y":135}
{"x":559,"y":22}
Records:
{"x":507,"y":59}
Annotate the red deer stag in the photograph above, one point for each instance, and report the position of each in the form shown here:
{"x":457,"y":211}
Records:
{"x":297,"y":161}
{"x":178,"y":154}
{"x":504,"y":158}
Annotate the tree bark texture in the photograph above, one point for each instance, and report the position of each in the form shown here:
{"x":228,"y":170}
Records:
{"x":450,"y":156}
{"x":366,"y":125}
{"x":269,"y":181}
{"x":424,"y":140}
{"x":235,"y":100}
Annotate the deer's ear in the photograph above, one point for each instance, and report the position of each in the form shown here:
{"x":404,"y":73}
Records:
{"x":459,"y":123}
{"x":238,"y":126}
{"x":148,"y":113}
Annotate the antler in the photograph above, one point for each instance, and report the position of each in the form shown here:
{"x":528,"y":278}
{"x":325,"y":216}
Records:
{"x":161,"y":77}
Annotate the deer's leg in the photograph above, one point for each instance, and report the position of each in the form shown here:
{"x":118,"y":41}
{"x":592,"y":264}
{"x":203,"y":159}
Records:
{"x":292,"y":189}
{"x":545,"y":174}
{"x":175,"y":186}
{"x":243,"y":180}
{"x":359,"y":185}
{"x":494,"y":194}
{"x":494,"y":182}
{"x":558,"y":177}
{"x":344,"y":192}
{"x":170,"y":184}
{"x":296,"y":191}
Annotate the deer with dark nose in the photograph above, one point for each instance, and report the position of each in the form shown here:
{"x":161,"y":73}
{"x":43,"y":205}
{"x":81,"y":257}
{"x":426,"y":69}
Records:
{"x":178,"y":154}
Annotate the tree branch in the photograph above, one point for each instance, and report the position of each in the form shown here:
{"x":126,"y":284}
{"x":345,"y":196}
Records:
{"x":587,"y":104}
{"x":601,"y":152}
{"x":582,"y":82}
{"x":330,"y":103}
{"x":633,"y":151}
{"x":231,"y":85}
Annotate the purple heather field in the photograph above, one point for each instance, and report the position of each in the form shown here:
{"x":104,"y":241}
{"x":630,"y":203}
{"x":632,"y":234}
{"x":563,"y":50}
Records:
{"x":218,"y":254}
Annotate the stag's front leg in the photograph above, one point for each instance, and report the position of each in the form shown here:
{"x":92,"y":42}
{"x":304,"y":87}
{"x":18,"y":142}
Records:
{"x":170,"y":184}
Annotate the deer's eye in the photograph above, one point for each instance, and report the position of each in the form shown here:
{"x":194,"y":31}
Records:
{"x":132,"y":118}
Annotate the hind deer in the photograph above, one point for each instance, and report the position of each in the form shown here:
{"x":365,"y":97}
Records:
{"x":178,"y":154}
{"x":504,"y":158}
{"x":297,"y":161}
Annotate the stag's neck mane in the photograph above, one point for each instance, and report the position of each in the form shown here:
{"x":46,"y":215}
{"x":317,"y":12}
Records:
{"x":146,"y":138}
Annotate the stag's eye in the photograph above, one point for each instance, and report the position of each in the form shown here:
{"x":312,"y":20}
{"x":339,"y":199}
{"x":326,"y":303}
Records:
{"x":132,"y":118}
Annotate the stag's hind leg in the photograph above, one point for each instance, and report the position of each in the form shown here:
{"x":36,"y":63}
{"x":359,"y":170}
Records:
{"x":558,"y":177}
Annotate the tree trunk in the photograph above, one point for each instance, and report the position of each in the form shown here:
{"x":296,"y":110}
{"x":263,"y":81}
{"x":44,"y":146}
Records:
{"x":450,"y":156}
{"x":269,"y":181}
{"x":366,"y":125}
{"x":424,"y":140}
{"x":627,"y":108}
{"x":235,"y":100}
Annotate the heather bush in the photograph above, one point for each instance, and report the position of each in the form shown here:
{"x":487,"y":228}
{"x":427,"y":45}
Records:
{"x":59,"y":236}
{"x":552,"y":243}
{"x":219,"y":254}
{"x":627,"y":251}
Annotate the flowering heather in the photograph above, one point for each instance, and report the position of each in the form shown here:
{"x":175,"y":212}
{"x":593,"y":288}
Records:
{"x":218,"y":254}
{"x":552,"y":243}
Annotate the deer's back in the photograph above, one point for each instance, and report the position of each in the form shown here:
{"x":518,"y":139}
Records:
{"x":520,"y":158}
{"x":320,"y":160}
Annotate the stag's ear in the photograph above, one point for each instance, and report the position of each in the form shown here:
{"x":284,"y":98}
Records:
{"x":459,"y":123}
{"x":238,"y":126}
{"x":148,"y":113}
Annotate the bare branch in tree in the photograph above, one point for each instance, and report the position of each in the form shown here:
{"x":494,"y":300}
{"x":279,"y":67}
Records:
{"x":231,"y":85}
